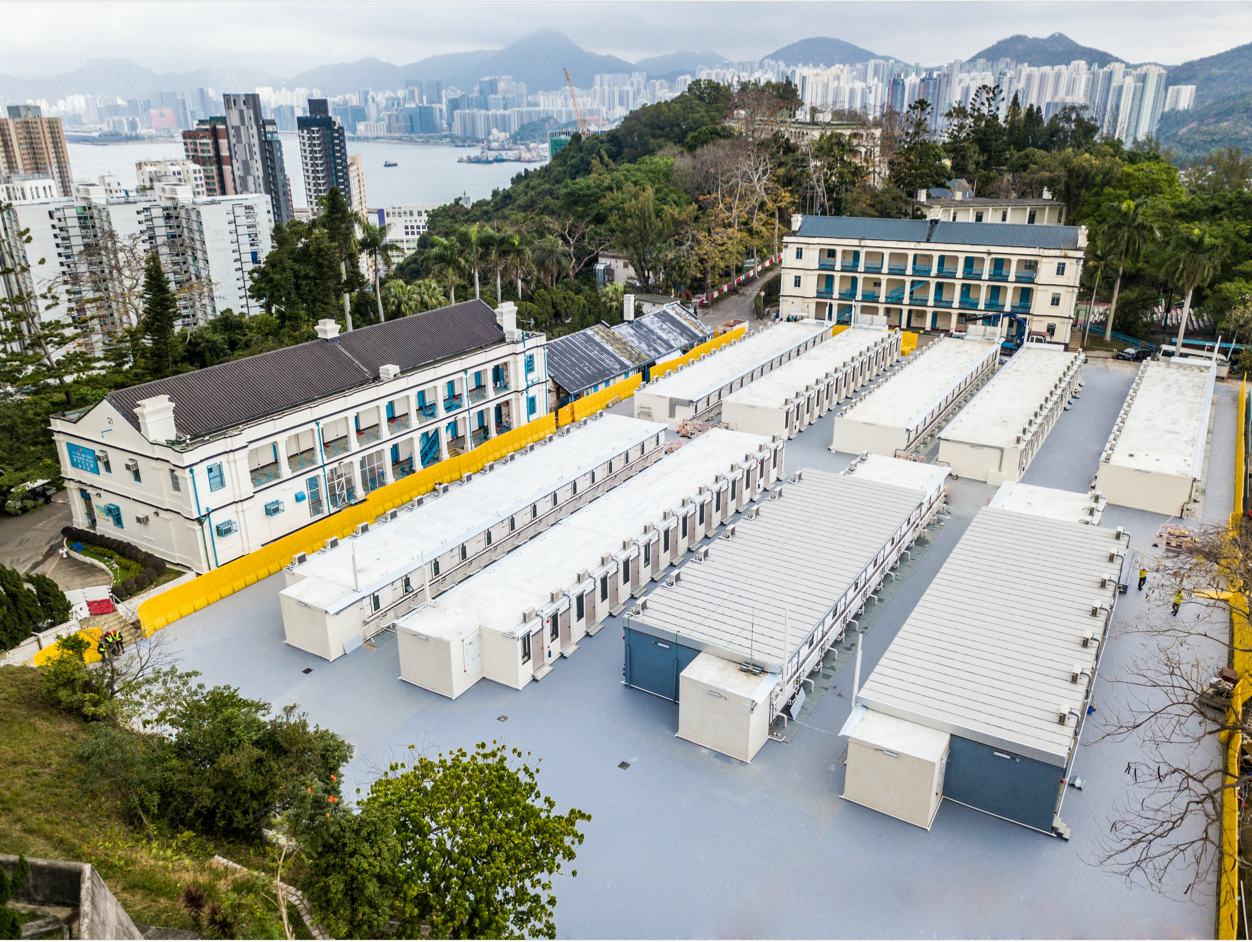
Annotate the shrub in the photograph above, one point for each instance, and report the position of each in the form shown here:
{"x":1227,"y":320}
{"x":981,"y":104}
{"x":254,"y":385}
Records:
{"x":142,"y":582}
{"x":55,"y":606}
{"x":69,"y":685}
{"x":151,"y":575}
{"x":127,"y":588}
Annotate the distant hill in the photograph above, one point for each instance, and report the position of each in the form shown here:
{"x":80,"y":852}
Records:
{"x":1057,"y":49}
{"x":348,"y":77}
{"x":126,"y":79}
{"x":1226,"y":122}
{"x":677,"y":62}
{"x":822,"y":50}
{"x":1216,"y":77}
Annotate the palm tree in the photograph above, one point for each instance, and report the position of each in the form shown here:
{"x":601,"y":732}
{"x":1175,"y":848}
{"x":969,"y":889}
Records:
{"x":1192,"y":259}
{"x":373,"y":242}
{"x":476,"y":238}
{"x":401,"y":298}
{"x":445,"y":259}
{"x":1098,"y":255}
{"x":550,"y":259}
{"x":496,"y":251}
{"x":427,"y":294}
{"x":518,"y":256}
{"x":1125,"y":233}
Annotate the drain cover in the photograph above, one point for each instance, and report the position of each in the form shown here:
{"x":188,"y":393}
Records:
{"x":623,"y":765}
{"x":307,"y":670}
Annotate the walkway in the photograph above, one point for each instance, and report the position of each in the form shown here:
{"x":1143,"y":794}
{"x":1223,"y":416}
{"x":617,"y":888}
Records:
{"x":32,"y":543}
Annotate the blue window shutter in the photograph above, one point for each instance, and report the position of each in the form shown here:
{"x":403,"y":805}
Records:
{"x":356,"y":420}
{"x":395,"y":454}
{"x":391,"y":410}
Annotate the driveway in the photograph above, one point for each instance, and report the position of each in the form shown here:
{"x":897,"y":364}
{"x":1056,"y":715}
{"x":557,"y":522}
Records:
{"x":30,"y":543}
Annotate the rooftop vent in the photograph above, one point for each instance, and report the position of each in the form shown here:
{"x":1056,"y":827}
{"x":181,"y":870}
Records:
{"x":327,"y":329}
{"x":388,"y":371}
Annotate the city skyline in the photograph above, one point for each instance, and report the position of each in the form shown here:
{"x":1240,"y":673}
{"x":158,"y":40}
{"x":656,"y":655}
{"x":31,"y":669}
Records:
{"x":1165,"y":33}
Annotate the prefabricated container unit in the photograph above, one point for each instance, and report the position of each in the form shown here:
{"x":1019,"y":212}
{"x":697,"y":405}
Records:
{"x":1085,"y":508}
{"x":345,"y":593}
{"x":794,"y":396}
{"x":535,"y":605}
{"x":999,"y":658}
{"x":734,"y":639}
{"x":996,"y":436}
{"x":904,"y":408}
{"x":1154,"y":459}
{"x":696,"y":391}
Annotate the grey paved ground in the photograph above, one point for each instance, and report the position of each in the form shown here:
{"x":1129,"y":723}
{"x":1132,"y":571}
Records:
{"x":31,"y":543}
{"x":688,"y":843}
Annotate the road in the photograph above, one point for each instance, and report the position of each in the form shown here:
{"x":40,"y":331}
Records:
{"x":736,"y":307}
{"x":29,"y":543}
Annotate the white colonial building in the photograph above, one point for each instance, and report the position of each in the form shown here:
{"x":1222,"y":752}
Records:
{"x":204,"y":467}
{"x":927,"y":274}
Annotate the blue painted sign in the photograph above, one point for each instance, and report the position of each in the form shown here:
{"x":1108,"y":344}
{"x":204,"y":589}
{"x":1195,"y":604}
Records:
{"x":84,"y":459}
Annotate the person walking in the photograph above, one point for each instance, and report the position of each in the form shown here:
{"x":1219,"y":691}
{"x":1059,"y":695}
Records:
{"x":1143,"y":577}
{"x":1177,"y":602}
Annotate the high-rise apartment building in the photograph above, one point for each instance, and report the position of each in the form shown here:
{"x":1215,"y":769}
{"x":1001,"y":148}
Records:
{"x":207,"y":146}
{"x":33,"y":145}
{"x":323,"y":153}
{"x":356,"y":183}
{"x":256,"y":153}
{"x":186,"y":172}
{"x":1180,"y":98}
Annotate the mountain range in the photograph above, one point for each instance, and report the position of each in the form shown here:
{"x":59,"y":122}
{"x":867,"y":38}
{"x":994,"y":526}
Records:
{"x":1057,"y":49}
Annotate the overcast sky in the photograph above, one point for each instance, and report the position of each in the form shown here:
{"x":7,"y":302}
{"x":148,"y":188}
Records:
{"x":47,"y":38}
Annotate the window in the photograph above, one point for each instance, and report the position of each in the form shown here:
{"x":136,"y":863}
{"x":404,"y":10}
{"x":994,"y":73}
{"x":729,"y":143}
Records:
{"x":134,"y":472}
{"x":1030,"y":218}
{"x":580,"y":607}
{"x":530,"y":363}
{"x":795,"y":282}
{"x":525,"y":648}
{"x":952,"y":218}
{"x":647,"y":554}
{"x":717,"y":501}
{"x":555,"y":630}
{"x":1004,"y":216}
{"x":373,"y":472}
{"x":512,"y":524}
{"x":108,"y":467}
{"x":799,"y":251}
{"x":434,"y":568}
{"x":1056,"y":300}
{"x":408,"y":583}
{"x":732,"y":491}
{"x":684,"y":525}
{"x":375,"y":604}
{"x":1052,"y":330}
{"x":534,"y":511}
{"x":174,"y":482}
{"x":530,"y":405}
{"x":604,"y":588}
{"x":217,"y":480}
{"x":574,"y":489}
{"x":464,"y":552}
{"x":488,"y":536}
{"x":1060,"y":268}
{"x":978,"y":217}
{"x":702,"y":515}
{"x":554,"y":498}
{"x":665,"y":540}
{"x":625,"y":571}
{"x":314,"y":487}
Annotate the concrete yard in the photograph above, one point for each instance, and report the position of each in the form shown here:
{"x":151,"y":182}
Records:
{"x":688,"y":843}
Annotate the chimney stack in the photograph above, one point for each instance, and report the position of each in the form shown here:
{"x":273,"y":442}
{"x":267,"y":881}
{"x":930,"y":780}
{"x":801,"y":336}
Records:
{"x":628,"y":307}
{"x":795,"y":222}
{"x":506,"y":317}
{"x":328,"y":329}
{"x":921,"y":196}
{"x":156,"y":419}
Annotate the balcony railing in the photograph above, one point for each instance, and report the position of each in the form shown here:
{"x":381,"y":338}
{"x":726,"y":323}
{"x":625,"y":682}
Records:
{"x":1026,"y":276}
{"x":827,"y":264}
{"x":427,"y":409}
{"x":478,"y":394}
{"x":869,"y":296}
{"x":265,"y":474}
{"x":941,"y":302}
{"x":366,"y":435}
{"x":335,"y":447}
{"x":500,"y":385}
{"x":972,"y":274}
{"x":847,"y":294}
{"x":873,"y":269}
{"x":504,"y":426}
{"x":895,"y":296}
{"x":478,"y":436}
{"x":897,"y":269}
{"x":452,"y":403}
{"x":969,"y":304}
{"x":946,"y":272}
{"x":921,"y":269}
{"x":1021,"y":307}
{"x":998,"y":276}
{"x":851,"y":266}
{"x":398,"y":423}
{"x":993,"y":306}
{"x":918,"y":300}
{"x":304,"y":459}
{"x":825,"y":292}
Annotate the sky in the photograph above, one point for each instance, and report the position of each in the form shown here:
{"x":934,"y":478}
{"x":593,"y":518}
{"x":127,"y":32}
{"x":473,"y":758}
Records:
{"x":48,"y":38}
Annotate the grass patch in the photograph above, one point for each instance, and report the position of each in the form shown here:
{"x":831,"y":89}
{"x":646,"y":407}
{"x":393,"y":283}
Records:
{"x":122,"y":567}
{"x":44,"y":814}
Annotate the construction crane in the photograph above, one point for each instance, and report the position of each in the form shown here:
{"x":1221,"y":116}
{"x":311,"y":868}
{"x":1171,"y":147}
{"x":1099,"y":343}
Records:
{"x":582,"y":122}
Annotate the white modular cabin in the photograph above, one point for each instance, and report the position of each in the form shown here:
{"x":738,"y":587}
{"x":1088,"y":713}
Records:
{"x":1154,"y":459}
{"x":535,"y":605}
{"x":998,"y":658}
{"x":794,"y":396}
{"x":1085,"y":508}
{"x":737,"y":634}
{"x":696,"y":391}
{"x":346,"y":593}
{"x":904,"y":408}
{"x":996,"y":436}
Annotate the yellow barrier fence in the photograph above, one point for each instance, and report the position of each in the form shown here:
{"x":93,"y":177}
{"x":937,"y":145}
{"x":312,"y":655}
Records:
{"x":1241,"y":637}
{"x":698,"y":351}
{"x":908,"y":342}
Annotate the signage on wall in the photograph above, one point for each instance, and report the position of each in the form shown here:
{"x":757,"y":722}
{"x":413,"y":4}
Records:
{"x":84,"y":459}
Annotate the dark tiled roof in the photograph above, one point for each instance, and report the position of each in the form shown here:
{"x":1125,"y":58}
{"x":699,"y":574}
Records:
{"x":663,"y":332}
{"x":241,"y":391}
{"x":587,"y":358}
{"x":1007,"y":235}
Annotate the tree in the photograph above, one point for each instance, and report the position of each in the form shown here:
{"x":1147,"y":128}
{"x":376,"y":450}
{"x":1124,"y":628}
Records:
{"x":353,"y":864}
{"x":160,"y":316}
{"x":10,"y":924}
{"x":550,"y":259}
{"x":479,"y":844}
{"x":1097,"y":257}
{"x":373,"y":242}
{"x":1126,"y":232}
{"x":918,"y":161}
{"x":445,"y":260}
{"x":340,"y":223}
{"x":641,"y":230}
{"x":1193,"y":257}
{"x":475,"y":241}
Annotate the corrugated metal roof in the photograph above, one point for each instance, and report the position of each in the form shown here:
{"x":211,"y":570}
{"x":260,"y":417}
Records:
{"x":663,"y":332}
{"x":742,"y":597}
{"x":589,"y":357}
{"x":988,"y":651}
{"x":1008,"y":235}
{"x":232,"y":394}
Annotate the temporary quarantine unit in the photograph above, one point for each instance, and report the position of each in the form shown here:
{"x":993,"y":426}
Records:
{"x":901,"y":411}
{"x":510,"y":622}
{"x":349,"y":591}
{"x":1154,"y":460}
{"x":696,"y":390}
{"x":735,"y":637}
{"x":792,"y":397}
{"x":1085,"y":508}
{"x":981,"y":697}
{"x":998,"y":434}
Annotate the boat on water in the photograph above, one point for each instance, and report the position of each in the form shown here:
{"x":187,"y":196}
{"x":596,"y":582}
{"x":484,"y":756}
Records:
{"x":390,"y":163}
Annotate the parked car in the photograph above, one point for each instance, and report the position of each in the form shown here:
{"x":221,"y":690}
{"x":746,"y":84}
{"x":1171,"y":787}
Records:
{"x":1134,"y":353}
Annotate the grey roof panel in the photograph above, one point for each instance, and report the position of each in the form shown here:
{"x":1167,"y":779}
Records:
{"x":589,"y":357}
{"x":410,"y":342}
{"x":1007,"y":235}
{"x":663,"y":332}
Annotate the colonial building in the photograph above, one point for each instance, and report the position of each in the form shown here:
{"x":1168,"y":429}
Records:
{"x":204,"y":467}
{"x":926,"y":274}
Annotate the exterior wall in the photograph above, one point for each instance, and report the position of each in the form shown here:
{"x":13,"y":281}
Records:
{"x":897,"y":784}
{"x":183,"y":525}
{"x":408,"y":224}
{"x":1144,"y":490}
{"x":853,"y":437}
{"x":709,"y":717}
{"x":949,"y":210}
{"x":964,"y":298}
{"x":502,"y":660}
{"x":1014,"y":787}
{"x":438,"y":664}
{"x":316,"y":631}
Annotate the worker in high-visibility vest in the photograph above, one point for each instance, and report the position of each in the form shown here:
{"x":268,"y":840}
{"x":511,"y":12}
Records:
{"x":1178,"y":600}
{"x":1143,"y":577}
